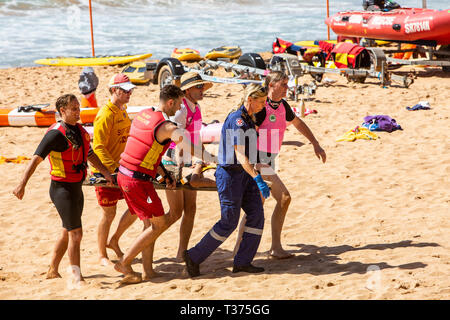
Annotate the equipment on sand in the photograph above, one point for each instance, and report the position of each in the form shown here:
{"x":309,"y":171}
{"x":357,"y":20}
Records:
{"x":422,"y":26}
{"x":186,"y":54}
{"x":230,"y":52}
{"x":38,"y":115}
{"x":30,"y":115}
{"x":426,"y":28}
{"x":92,"y":61}
{"x":315,"y":43}
{"x":138,"y":72}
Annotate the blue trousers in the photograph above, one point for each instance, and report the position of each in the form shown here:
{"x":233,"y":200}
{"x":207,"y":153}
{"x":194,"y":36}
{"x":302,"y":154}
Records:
{"x":237,"y":190}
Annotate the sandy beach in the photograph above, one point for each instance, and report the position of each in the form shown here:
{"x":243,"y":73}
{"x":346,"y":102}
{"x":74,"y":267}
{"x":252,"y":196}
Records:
{"x":370,"y":223}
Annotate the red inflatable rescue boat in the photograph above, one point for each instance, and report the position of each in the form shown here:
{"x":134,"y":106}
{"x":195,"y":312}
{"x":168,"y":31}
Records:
{"x":421,"y":26}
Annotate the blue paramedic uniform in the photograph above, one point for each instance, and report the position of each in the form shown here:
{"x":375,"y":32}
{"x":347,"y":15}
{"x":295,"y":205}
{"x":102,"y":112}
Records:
{"x":237,"y":189}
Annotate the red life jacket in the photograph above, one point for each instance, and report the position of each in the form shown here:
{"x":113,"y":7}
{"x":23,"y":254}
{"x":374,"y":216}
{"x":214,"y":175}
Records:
{"x":143,"y":152}
{"x":345,"y":54}
{"x":280,"y":46}
{"x":71,"y":164}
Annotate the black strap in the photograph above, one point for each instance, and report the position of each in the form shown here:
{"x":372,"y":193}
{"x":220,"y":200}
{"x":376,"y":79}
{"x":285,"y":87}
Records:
{"x":31,"y":107}
{"x":166,"y":173}
{"x":142,"y":176}
{"x":196,"y":78}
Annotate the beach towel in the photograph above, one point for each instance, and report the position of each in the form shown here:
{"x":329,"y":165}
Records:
{"x":422,"y":105}
{"x":381,"y":123}
{"x":358,"y":133}
{"x":309,"y":111}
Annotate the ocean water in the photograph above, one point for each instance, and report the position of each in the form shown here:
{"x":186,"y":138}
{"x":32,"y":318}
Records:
{"x":34,"y":29}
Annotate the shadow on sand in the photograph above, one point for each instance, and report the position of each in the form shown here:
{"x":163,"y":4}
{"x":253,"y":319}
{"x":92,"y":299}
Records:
{"x":308,"y":259}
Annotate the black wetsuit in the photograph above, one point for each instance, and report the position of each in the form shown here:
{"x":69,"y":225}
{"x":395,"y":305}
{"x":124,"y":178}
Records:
{"x":267,"y":157}
{"x":67,"y":196}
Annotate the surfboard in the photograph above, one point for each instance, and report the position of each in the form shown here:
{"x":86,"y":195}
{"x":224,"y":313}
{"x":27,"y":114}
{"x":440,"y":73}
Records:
{"x":92,"y":61}
{"x":137,"y":72}
{"x":315,"y":43}
{"x":186,"y":54}
{"x":41,"y":116}
{"x":312,"y":43}
{"x":231,"y":52}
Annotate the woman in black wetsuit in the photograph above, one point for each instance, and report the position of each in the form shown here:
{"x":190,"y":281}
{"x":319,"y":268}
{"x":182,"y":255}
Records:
{"x":67,"y":146}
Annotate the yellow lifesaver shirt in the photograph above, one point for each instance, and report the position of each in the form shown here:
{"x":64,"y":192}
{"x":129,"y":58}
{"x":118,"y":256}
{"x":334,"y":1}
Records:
{"x":111,"y":130}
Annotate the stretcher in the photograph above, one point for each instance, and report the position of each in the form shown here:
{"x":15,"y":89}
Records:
{"x":101,"y":182}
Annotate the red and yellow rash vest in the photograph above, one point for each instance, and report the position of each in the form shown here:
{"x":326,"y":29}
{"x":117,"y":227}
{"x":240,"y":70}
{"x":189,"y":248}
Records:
{"x":63,"y":164}
{"x":143,"y":152}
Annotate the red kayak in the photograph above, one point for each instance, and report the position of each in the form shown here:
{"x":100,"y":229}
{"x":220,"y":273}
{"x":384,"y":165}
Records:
{"x":422,"y":26}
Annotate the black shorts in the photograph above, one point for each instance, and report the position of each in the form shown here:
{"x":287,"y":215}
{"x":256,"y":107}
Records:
{"x":69,"y":201}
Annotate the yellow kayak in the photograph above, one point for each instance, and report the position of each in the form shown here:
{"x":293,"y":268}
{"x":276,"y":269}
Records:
{"x":231,"y":52}
{"x":312,"y":43}
{"x":91,"y":61}
{"x":137,"y":72}
{"x":186,"y":54}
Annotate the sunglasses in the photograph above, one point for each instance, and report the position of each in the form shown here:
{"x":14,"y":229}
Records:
{"x":126,"y":91}
{"x":200,"y":86}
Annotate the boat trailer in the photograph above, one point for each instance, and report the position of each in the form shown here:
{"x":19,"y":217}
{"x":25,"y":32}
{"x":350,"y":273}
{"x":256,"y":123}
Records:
{"x":251,"y":68}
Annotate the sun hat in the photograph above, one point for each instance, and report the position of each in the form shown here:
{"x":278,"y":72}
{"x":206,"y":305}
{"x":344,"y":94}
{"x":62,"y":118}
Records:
{"x":190,"y":79}
{"x":122,"y":81}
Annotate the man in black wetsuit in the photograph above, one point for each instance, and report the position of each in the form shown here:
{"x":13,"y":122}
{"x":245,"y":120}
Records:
{"x":67,"y":146}
{"x":377,"y":5}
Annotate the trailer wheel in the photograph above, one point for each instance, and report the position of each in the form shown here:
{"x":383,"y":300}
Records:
{"x":165,"y":77}
{"x":355,"y":79}
{"x":444,"y":49}
{"x":317,"y":76}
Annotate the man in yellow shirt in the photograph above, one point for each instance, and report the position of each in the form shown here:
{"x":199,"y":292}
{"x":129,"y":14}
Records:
{"x":111,"y":129}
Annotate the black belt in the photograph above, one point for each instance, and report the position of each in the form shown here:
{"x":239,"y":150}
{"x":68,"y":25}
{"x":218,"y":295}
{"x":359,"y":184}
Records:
{"x":135,"y":174}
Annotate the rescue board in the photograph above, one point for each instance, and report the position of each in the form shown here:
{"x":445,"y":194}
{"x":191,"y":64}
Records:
{"x":230,"y":52}
{"x":41,"y":116}
{"x":315,"y":43}
{"x":186,"y":54}
{"x":312,"y":43}
{"x":137,"y":72}
{"x":92,"y":61}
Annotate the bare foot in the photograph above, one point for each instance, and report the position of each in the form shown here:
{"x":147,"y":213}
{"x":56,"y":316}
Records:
{"x":52,"y":274}
{"x":131,"y":278}
{"x":114,"y":245}
{"x":123,"y":269}
{"x":105,"y":262}
{"x":280,"y":254}
{"x":150,"y":275}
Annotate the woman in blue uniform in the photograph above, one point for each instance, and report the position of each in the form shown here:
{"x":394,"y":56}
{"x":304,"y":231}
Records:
{"x":239,"y":186}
